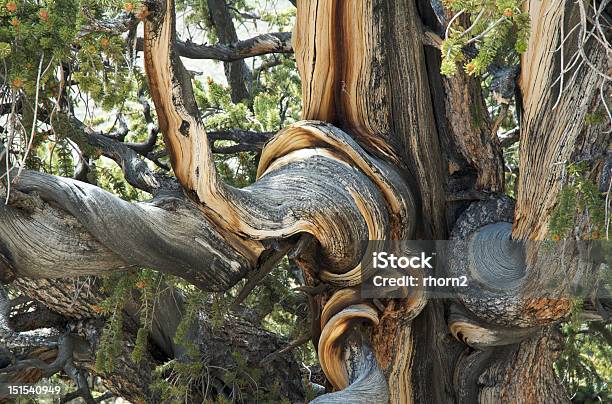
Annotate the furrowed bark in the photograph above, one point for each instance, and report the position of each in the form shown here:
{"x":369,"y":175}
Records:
{"x":94,"y":232}
{"x":392,"y":126}
{"x":352,"y":78}
{"x":339,"y":215}
{"x":25,"y":238}
{"x":517,"y":298}
{"x":377,"y":208}
{"x":551,"y":140}
{"x":473,"y":163}
{"x":333,"y":92}
{"x":104,"y":233}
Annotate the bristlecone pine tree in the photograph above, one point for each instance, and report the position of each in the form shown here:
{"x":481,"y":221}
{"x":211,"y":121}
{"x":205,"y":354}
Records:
{"x":395,"y":143}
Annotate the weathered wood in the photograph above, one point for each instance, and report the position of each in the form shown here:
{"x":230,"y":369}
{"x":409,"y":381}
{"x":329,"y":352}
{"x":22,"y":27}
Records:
{"x":260,"y":212}
{"x":105,"y":233}
{"x":367,"y":383}
{"x":277,"y":42}
{"x":397,"y":143}
{"x":483,"y":335}
{"x":381,"y":97}
{"x":549,"y":137}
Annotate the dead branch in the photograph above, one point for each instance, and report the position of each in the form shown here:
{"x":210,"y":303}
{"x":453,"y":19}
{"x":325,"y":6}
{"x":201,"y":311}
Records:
{"x":275,"y":42}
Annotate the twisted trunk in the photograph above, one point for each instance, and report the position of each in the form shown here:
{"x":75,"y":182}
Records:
{"x":388,"y":150}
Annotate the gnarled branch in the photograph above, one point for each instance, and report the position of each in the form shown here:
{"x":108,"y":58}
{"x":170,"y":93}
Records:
{"x":104,"y":233}
{"x":275,"y":42}
{"x":260,"y":211}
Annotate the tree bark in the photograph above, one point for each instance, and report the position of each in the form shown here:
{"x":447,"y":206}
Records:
{"x":237,"y":73}
{"x":388,"y":150}
{"x":74,"y":302}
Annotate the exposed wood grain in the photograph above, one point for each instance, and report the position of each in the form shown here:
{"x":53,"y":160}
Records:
{"x":260,"y":211}
{"x":368,"y":172}
{"x":315,"y":46}
{"x":331,"y":345}
{"x":379,"y":96}
{"x":367,"y":382}
{"x":548,"y":139}
{"x":103,"y":233}
{"x":362,"y":68}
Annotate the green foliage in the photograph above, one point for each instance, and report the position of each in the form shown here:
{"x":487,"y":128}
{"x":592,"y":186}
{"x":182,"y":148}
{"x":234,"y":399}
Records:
{"x":562,"y":219}
{"x":276,"y":103}
{"x":106,"y":79}
{"x":111,"y":341}
{"x":64,"y":165}
{"x":39,"y":36}
{"x":174,"y":380}
{"x":498,"y":29}
{"x":579,"y":195}
{"x":111,"y":178}
{"x":34,"y":34}
{"x":193,"y":306}
{"x":584,"y":364}
{"x":147,"y":283}
{"x":123,"y":287}
{"x":48,"y":56}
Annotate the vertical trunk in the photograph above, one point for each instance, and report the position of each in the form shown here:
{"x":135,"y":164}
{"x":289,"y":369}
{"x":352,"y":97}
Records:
{"x":351,"y":78}
{"x":364,"y":68}
{"x":237,"y":73}
{"x":555,"y":104}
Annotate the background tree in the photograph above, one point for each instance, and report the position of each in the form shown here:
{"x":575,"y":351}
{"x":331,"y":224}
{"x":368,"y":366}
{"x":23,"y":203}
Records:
{"x":132,"y":262}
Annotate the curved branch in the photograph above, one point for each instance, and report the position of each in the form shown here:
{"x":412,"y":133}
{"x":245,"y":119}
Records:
{"x":264,"y":44}
{"x":507,"y":285}
{"x":168,"y":233}
{"x":331,"y":342}
{"x":347,"y":360}
{"x":135,"y":169}
{"x":367,"y":382}
{"x":482,"y":336}
{"x":340,"y":214}
{"x":25,"y":238}
{"x":368,"y":199}
{"x":275,"y":42}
